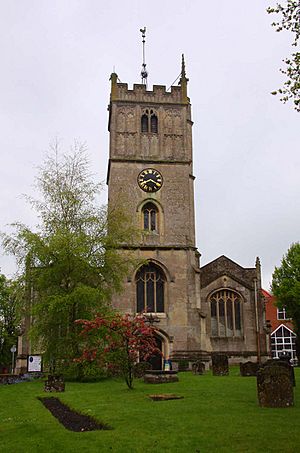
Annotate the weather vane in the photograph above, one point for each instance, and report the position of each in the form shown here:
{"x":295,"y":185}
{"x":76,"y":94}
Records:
{"x":144,"y":73}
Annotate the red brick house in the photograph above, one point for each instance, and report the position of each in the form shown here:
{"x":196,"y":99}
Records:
{"x":282,"y":336}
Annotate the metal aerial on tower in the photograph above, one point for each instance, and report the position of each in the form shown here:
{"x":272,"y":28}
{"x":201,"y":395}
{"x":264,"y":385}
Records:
{"x":144,"y":73}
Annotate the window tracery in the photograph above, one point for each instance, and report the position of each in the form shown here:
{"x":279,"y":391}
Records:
{"x":150,"y":217}
{"x":226,"y":314}
{"x":150,"y":288}
{"x":149,"y":121}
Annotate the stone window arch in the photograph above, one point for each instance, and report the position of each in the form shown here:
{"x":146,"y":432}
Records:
{"x":149,"y":121}
{"x":150,"y":289}
{"x":144,"y":123}
{"x":226,"y":314}
{"x":150,"y":217}
{"x":154,"y":123}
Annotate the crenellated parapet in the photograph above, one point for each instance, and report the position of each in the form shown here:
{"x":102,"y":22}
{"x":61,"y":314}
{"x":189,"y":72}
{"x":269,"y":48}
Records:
{"x":140,"y":94}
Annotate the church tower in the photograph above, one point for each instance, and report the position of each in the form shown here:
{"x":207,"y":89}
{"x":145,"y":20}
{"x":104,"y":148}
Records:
{"x":151,"y":170}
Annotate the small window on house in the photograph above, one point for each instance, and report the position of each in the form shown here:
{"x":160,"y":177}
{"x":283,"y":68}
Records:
{"x":150,"y":217}
{"x":225,"y":314}
{"x":281,"y":313}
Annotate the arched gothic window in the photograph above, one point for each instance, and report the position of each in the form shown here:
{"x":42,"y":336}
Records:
{"x":154,"y":123}
{"x":150,"y":288}
{"x":150,"y":217}
{"x":149,"y":121}
{"x":144,"y":123}
{"x":226,"y":316}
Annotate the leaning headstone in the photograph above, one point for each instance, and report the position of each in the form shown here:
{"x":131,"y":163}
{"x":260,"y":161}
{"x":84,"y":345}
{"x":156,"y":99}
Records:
{"x":54,"y":383}
{"x":274,"y":386}
{"x":249,"y":368}
{"x":220,"y":364}
{"x":198,"y":367}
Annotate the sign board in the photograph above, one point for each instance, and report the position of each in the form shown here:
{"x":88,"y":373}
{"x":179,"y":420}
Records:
{"x":34,"y":363}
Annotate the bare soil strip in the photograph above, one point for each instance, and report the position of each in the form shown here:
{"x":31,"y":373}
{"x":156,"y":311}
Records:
{"x":71,"y":420}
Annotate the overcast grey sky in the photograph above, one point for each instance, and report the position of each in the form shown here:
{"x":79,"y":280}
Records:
{"x":56,"y":59}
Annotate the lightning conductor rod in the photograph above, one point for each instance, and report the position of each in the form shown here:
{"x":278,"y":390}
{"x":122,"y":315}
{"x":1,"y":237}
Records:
{"x":144,"y":73}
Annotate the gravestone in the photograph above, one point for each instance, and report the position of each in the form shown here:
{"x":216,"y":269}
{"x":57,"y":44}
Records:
{"x":54,"y":383}
{"x":285,"y":364}
{"x":274,"y":386}
{"x":198,"y":367}
{"x":285,"y":356}
{"x":249,"y":368}
{"x":220,"y":365}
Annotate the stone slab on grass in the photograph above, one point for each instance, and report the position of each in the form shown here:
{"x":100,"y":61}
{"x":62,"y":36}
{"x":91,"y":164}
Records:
{"x":165,"y":397}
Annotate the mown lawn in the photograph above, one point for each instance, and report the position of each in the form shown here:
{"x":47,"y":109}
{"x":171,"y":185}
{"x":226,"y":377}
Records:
{"x":217,"y":414}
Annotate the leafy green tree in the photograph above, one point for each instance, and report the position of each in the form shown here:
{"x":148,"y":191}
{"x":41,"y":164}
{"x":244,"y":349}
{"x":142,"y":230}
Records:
{"x":289,"y":20}
{"x":9,"y":318}
{"x":286,"y":287}
{"x":70,"y":263}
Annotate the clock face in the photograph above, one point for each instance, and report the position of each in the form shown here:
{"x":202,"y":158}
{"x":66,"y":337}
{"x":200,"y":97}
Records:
{"x":150,"y":180}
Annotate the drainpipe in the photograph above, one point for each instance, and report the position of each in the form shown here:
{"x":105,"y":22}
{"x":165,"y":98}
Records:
{"x":257,"y":321}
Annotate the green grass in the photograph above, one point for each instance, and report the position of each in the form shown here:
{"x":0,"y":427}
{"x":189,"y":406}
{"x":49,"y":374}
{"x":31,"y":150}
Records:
{"x":217,"y":414}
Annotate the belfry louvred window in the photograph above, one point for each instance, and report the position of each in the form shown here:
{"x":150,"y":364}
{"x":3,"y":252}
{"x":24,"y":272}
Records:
{"x":149,"y":121}
{"x":154,"y":123}
{"x":226,"y":314}
{"x":144,"y":123}
{"x":150,"y":287}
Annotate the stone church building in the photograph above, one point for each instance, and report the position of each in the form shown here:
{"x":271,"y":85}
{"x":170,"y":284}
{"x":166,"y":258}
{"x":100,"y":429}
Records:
{"x":196,"y":310}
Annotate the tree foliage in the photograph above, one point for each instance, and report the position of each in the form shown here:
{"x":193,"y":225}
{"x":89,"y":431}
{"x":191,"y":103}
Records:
{"x":70,"y":262}
{"x":118,"y":342}
{"x":289,"y":20}
{"x":9,"y":318}
{"x":286,"y":287}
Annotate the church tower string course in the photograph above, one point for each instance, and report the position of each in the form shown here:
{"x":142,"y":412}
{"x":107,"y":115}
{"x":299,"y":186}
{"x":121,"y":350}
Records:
{"x":151,"y":167}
